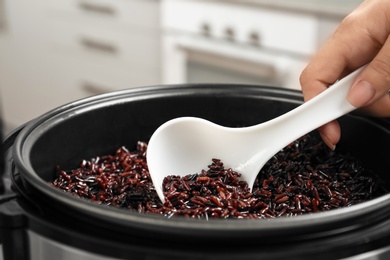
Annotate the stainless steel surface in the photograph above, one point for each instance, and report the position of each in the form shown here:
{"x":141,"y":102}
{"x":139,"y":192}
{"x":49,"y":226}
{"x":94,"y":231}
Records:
{"x":42,"y":248}
{"x":379,"y":254}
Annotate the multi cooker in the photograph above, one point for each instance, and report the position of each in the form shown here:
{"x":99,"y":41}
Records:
{"x":38,"y":221}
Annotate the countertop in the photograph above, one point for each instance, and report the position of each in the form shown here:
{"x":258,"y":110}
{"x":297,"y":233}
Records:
{"x":338,"y":8}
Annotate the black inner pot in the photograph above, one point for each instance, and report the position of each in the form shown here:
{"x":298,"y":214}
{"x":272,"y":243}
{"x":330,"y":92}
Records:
{"x":98,"y":125}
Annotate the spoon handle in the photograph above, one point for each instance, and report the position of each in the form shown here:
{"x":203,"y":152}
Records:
{"x":325,"y":107}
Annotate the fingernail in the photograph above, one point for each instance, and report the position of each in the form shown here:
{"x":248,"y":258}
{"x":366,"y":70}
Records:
{"x":328,"y":142}
{"x":361,"y":93}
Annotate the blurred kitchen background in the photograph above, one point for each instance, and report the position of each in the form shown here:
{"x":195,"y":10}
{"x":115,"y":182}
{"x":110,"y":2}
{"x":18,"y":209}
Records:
{"x":54,"y":52}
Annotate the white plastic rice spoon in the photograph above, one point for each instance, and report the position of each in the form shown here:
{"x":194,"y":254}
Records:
{"x":186,"y":145}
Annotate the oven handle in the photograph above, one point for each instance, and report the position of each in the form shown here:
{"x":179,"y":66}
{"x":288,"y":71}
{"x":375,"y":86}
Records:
{"x":280,"y":63}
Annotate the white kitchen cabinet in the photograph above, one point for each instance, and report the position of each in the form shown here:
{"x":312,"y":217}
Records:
{"x":55,"y":52}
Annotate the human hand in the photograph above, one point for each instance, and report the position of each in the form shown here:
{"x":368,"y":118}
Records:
{"x":363,"y":37}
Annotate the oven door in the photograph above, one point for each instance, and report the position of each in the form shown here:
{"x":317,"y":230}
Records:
{"x":200,"y":59}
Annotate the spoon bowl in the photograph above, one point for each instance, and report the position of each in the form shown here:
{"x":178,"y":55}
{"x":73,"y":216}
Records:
{"x":186,"y":145}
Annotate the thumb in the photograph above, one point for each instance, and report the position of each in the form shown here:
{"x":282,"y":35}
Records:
{"x":361,"y":93}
